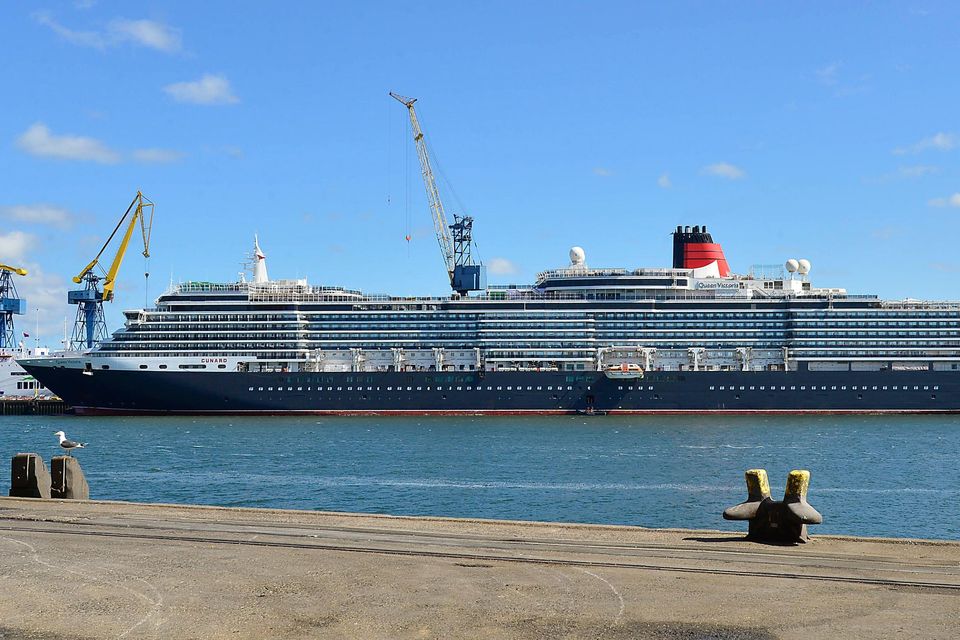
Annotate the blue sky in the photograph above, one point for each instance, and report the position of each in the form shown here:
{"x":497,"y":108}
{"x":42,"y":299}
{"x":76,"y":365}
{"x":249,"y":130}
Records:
{"x":826,"y":131}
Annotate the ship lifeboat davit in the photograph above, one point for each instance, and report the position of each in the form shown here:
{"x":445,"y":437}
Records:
{"x":623,"y":370}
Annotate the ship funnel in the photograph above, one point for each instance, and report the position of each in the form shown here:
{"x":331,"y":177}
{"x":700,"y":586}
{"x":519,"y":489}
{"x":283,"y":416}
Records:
{"x":695,"y":249}
{"x":259,"y":262}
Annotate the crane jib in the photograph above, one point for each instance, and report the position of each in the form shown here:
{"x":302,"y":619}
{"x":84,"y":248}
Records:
{"x":455,"y":240}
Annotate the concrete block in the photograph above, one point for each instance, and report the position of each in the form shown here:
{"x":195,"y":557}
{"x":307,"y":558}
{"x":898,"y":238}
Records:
{"x":68,"y":480}
{"x":29,"y":477}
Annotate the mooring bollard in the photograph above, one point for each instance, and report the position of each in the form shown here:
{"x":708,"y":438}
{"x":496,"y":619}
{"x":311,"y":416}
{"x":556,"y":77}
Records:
{"x":29,"y":477}
{"x":68,"y":480}
{"x":772,"y":521}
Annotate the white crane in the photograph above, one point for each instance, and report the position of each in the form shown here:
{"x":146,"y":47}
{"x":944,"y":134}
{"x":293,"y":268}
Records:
{"x":464,"y":275}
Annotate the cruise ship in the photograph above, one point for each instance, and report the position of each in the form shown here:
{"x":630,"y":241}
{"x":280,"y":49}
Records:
{"x":692,"y":338}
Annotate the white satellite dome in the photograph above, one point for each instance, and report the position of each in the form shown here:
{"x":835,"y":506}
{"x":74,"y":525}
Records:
{"x":803,"y":266}
{"x":792,"y":265}
{"x":577,"y":257}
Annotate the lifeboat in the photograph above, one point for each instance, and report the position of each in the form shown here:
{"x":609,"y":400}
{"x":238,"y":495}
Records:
{"x":623,"y":370}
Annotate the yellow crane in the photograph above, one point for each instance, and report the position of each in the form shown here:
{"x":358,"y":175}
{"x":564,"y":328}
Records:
{"x":90,"y":327}
{"x":17,"y":270}
{"x":10,"y":304}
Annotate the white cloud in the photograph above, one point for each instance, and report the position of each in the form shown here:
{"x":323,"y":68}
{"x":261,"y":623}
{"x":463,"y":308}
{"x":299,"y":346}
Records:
{"x":38,"y":140}
{"x":14,"y":246}
{"x":38,"y":214}
{"x":725,"y":170}
{"x":145,"y":33}
{"x":209,"y":89}
{"x":602,"y":172}
{"x":47,"y":306}
{"x":946,"y":267}
{"x":157,"y":156}
{"x":939,"y":141}
{"x":44,"y":293}
{"x":664,"y":181}
{"x":93,"y":39}
{"x":828,"y":74}
{"x":918,"y":171}
{"x":502,"y":267}
{"x":950,"y":201}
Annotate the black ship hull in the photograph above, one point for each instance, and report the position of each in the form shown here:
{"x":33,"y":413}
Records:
{"x":502,"y":392}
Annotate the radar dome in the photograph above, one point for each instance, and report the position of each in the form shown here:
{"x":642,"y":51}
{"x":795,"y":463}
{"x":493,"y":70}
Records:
{"x":803,"y":267}
{"x":792,"y":265}
{"x":577,"y":257}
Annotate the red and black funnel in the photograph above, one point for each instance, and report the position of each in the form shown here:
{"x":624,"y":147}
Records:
{"x":695,"y":248}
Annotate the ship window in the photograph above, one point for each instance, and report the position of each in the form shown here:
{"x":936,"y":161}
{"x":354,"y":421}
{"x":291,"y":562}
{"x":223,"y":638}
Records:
{"x":250,"y":389}
{"x":104,"y":366}
{"x":259,"y":388}
{"x":269,"y":388}
{"x":221,"y":366}
{"x":875,"y":387}
{"x":712,"y":388}
{"x":936,"y":388}
{"x":143,"y":366}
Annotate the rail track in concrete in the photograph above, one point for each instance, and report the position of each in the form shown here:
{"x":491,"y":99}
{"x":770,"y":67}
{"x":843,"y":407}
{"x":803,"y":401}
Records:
{"x":703,"y":554}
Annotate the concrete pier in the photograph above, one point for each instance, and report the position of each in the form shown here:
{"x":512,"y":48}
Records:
{"x":99,"y":569}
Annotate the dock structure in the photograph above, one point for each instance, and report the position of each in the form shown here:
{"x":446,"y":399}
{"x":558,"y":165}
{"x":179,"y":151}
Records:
{"x":32,"y":406}
{"x":84,"y":569}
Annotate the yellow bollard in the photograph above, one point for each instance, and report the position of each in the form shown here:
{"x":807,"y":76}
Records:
{"x":797,"y":484}
{"x":758,"y":487}
{"x":776,"y":521}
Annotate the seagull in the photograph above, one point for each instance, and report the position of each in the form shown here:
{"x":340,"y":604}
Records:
{"x":68,"y":445}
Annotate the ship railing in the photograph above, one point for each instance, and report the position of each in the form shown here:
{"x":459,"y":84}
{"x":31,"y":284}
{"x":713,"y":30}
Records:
{"x":921,"y":304}
{"x":193,"y":287}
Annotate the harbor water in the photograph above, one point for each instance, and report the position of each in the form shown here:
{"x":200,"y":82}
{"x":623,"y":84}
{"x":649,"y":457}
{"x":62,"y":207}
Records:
{"x":871,"y":475}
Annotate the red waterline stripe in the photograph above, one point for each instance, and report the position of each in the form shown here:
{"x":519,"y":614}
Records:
{"x":104,"y":411}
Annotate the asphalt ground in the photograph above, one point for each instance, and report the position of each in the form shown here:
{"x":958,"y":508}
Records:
{"x":73,"y":569}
